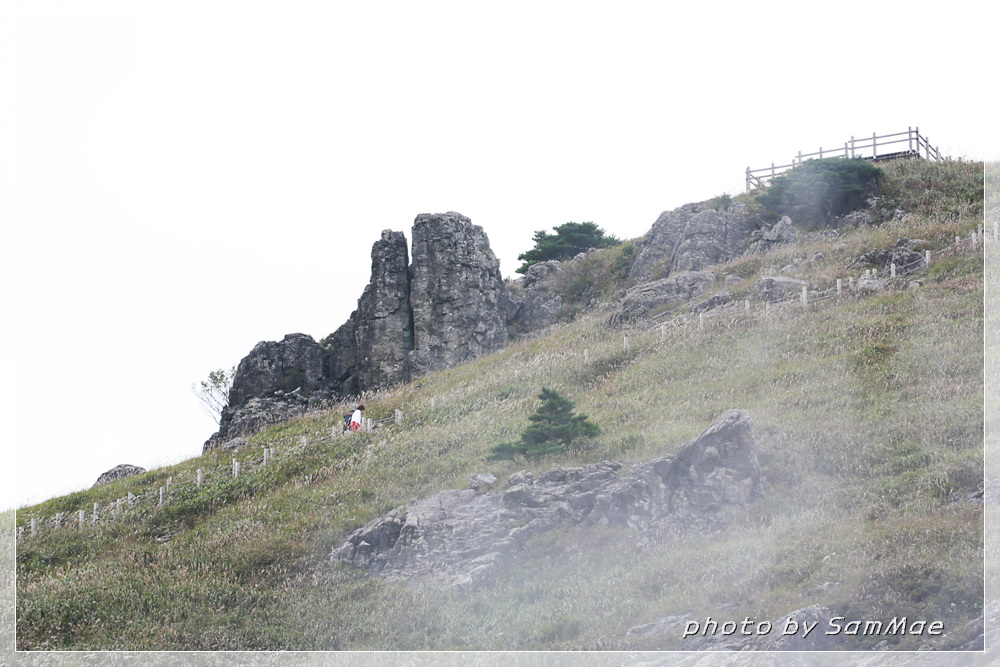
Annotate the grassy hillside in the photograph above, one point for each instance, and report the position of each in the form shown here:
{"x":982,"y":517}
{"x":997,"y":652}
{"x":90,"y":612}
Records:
{"x":868,"y":413}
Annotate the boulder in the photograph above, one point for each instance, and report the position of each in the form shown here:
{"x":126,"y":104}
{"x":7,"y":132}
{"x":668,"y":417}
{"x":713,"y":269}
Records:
{"x":461,"y":538}
{"x":764,"y":240}
{"x":871,"y":283}
{"x":902,"y":254}
{"x":777,"y":288}
{"x":646,"y":299}
{"x":715,"y":301}
{"x":691,"y":238}
{"x":119,"y":472}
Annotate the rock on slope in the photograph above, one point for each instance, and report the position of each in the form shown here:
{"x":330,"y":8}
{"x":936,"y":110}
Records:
{"x":449,"y":305}
{"x":460,"y":539}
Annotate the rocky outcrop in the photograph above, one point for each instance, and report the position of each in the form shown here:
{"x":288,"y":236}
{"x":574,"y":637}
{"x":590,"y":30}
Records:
{"x":777,"y":288}
{"x":459,"y":301}
{"x":691,"y":238}
{"x":650,"y":298}
{"x":372,"y":349}
{"x":461,"y":538}
{"x":119,"y":472}
{"x":539,"y":303}
{"x":275,"y":382}
{"x":295,"y":362}
{"x":903,"y":254}
{"x":449,"y":305}
{"x":761,"y":241}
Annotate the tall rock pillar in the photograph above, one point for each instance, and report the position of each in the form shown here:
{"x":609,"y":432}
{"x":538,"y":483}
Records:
{"x":459,"y":301}
{"x":371,"y":350}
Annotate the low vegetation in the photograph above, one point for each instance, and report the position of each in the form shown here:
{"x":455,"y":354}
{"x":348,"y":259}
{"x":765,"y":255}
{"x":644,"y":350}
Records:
{"x":868,"y":413}
{"x":553,"y":430}
{"x":569,"y":240}
{"x":818,"y":190}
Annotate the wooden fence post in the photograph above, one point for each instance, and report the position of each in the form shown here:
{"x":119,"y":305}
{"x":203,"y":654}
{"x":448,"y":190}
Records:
{"x":892,"y":270}
{"x":199,"y":475}
{"x":850,"y":282}
{"x":805,"y":295}
{"x":586,"y":356}
{"x":927,"y":258}
{"x":874,"y":145}
{"x":94,"y":518}
{"x":131,"y":498}
{"x":746,"y":305}
{"x":161,"y":496}
{"x":625,"y":342}
{"x":34,"y":526}
{"x":118,"y":505}
{"x":83,"y":518}
{"x":265,"y":457}
{"x":838,"y":286}
{"x":399,"y":416}
{"x":701,"y":317}
{"x":236,"y":468}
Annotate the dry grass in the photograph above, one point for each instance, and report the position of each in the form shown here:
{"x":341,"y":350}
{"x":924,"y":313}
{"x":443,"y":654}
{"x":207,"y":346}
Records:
{"x":868,"y":414}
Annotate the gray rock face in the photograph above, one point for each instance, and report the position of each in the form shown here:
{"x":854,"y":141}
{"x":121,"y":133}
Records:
{"x":252,"y":416}
{"x":693,"y":237}
{"x":460,"y":539}
{"x":776,"y":288}
{"x":644,"y":299}
{"x":540,"y":303}
{"x":272,"y":384}
{"x":449,"y":305}
{"x":371,"y":350}
{"x":295,"y":362}
{"x":782,"y":233}
{"x":902,"y":254}
{"x":119,"y":472}
{"x":459,"y":300}
{"x":715,"y":301}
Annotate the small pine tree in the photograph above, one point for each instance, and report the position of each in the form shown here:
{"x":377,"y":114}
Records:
{"x":553,"y":427}
{"x":569,"y":240}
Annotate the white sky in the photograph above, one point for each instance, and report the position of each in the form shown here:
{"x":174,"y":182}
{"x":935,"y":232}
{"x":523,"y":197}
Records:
{"x":189,"y":178}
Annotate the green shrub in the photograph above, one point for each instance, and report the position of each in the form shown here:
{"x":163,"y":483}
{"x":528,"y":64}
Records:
{"x":570,"y":239}
{"x":818,"y":190}
{"x":553,"y":428}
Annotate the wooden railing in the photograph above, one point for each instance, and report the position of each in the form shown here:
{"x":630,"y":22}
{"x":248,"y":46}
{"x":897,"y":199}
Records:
{"x":917,"y":145}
